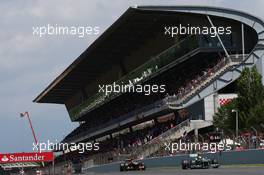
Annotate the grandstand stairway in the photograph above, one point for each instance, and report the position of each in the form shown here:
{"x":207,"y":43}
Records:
{"x":221,"y":77}
{"x":171,"y":135}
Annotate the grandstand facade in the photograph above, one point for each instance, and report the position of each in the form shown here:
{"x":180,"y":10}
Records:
{"x":142,"y":48}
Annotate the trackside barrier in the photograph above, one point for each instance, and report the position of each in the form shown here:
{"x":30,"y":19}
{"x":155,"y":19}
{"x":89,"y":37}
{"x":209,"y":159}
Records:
{"x":225,"y":158}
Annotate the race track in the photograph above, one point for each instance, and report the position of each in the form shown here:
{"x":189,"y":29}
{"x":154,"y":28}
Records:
{"x":229,"y":170}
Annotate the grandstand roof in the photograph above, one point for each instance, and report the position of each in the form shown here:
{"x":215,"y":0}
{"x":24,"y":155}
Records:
{"x":130,"y":31}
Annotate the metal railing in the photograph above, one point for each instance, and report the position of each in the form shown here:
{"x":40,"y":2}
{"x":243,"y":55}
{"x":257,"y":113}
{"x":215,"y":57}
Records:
{"x":158,"y":142}
{"x":164,"y":136}
{"x":191,"y":88}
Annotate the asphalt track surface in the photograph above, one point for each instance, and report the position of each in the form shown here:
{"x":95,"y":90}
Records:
{"x":235,"y":170}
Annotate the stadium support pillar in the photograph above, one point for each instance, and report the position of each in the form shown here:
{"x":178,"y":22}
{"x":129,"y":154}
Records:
{"x":243,"y":40}
{"x":218,"y":37}
{"x":196,"y":134}
{"x":209,"y":107}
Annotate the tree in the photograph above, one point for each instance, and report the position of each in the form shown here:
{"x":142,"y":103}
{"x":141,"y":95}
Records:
{"x":223,"y":119}
{"x":250,"y":103}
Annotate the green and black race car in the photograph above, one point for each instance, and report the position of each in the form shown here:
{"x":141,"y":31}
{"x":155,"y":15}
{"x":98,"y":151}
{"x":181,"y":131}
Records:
{"x":196,"y":161}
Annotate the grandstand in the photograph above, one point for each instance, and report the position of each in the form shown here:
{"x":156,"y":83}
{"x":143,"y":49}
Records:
{"x":194,"y":68}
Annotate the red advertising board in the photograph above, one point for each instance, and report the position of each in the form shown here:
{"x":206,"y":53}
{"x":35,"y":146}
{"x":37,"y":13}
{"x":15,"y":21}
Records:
{"x":26,"y":157}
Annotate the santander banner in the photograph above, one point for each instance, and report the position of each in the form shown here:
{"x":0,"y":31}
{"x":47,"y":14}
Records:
{"x":26,"y":157}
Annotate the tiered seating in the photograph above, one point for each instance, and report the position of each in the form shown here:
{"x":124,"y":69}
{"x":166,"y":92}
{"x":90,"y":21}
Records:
{"x":201,"y":82}
{"x":130,"y":104}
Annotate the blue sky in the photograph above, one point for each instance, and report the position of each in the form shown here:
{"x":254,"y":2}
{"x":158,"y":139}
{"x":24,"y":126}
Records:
{"x":29,"y":63}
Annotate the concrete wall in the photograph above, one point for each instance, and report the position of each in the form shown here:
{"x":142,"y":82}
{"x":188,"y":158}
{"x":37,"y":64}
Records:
{"x":225,"y":158}
{"x":196,"y":111}
{"x":209,"y":107}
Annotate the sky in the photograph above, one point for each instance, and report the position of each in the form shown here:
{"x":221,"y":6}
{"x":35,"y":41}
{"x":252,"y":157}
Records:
{"x":29,"y":63}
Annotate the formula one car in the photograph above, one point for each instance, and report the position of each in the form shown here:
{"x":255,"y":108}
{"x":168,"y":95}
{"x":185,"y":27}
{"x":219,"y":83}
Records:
{"x":198,"y":162}
{"x":129,"y":165}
